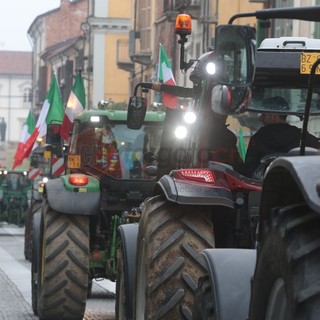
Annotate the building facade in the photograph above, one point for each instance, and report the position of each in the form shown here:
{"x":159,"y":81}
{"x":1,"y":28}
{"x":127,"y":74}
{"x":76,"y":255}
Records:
{"x":81,"y":34}
{"x":57,"y":41}
{"x":15,"y":91}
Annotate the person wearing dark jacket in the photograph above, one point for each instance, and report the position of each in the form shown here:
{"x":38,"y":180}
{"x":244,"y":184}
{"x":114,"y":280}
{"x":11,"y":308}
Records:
{"x":276,"y":136}
{"x":223,"y":143}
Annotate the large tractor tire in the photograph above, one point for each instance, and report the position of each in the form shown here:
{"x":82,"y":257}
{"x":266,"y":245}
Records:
{"x":28,"y":236}
{"x":204,"y":308}
{"x":28,"y":229}
{"x":36,"y":227}
{"x":126,"y":258}
{"x":287,"y":279}
{"x":170,"y":240}
{"x":121,"y":301}
{"x":63,"y":265}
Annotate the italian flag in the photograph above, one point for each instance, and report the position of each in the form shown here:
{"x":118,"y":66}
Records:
{"x":75,"y":105}
{"x":27,"y":131}
{"x":52,"y":112}
{"x":165,"y":76}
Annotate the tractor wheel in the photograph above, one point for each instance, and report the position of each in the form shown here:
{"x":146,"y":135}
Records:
{"x":63,"y":265}
{"x":121,"y":305}
{"x":28,"y":233}
{"x":286,"y":279}
{"x":169,"y":263}
{"x":204,"y":306}
{"x":36,"y":226}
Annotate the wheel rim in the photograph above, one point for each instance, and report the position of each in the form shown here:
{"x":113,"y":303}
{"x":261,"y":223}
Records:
{"x":277,"y":308}
{"x":141,"y":284}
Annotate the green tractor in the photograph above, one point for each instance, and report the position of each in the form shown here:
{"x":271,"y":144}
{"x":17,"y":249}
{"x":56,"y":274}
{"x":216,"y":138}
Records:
{"x":110,"y":171}
{"x":15,"y":191}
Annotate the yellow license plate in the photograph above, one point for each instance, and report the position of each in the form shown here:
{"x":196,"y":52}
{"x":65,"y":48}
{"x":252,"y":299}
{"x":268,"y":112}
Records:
{"x":307,"y":60}
{"x":47,"y":154}
{"x":74,"y":161}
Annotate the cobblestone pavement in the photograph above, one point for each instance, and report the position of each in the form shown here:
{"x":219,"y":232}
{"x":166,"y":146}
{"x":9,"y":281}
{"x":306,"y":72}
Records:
{"x":15,"y":283}
{"x":13,"y":306}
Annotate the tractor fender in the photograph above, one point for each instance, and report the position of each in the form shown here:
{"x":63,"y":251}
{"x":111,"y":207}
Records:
{"x":71,"y":202}
{"x":290,"y":180}
{"x":230,"y":272}
{"x":128,"y":234}
{"x":190,"y":193}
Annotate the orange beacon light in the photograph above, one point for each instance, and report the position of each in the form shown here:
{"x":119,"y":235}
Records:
{"x":183,"y":25}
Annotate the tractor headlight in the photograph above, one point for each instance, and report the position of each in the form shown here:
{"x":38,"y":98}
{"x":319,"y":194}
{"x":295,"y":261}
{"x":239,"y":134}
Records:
{"x":181,"y":132}
{"x":190,"y":117}
{"x":211,"y":68}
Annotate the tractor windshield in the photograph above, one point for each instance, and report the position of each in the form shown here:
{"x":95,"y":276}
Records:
{"x":296,"y":99}
{"x":12,"y":181}
{"x":42,"y":162}
{"x":113,"y":149}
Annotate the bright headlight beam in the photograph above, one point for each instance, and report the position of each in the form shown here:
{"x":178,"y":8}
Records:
{"x":190,"y":117}
{"x":95,"y":119}
{"x":180,"y":132}
{"x":211,"y":68}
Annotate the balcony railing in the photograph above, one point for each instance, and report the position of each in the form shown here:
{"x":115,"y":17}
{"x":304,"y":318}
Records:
{"x":192,"y":7}
{"x":123,"y":60}
{"x":135,"y":52}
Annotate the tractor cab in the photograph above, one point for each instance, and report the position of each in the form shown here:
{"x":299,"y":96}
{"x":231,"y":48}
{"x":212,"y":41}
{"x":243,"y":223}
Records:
{"x":122,"y":159}
{"x":102,"y":144}
{"x":15,"y":191}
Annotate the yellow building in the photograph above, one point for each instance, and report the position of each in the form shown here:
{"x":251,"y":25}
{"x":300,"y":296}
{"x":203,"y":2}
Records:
{"x":109,"y":23}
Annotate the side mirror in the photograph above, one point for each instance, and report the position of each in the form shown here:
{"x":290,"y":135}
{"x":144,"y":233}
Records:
{"x":235,"y":54}
{"x":53,"y":138}
{"x":53,"y":134}
{"x":137,"y":109}
{"x":34,"y":161}
{"x":229,"y":100}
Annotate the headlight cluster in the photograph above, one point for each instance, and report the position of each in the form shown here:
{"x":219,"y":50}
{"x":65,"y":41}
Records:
{"x":181,"y":131}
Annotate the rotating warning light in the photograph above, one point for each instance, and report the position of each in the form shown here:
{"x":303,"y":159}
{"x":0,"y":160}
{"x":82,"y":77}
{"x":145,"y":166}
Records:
{"x":183,"y":24}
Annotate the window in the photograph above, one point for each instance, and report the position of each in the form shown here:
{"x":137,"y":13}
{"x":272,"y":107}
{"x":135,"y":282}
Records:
{"x":27,"y":95}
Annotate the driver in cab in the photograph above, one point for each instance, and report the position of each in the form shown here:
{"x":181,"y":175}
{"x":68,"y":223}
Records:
{"x":276,"y":135}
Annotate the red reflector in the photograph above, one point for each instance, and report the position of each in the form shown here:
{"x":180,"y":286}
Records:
{"x":198,"y":175}
{"x":78,"y":179}
{"x":96,"y":255}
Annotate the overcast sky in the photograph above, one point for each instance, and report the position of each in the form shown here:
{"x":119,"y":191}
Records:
{"x":16,"y":17}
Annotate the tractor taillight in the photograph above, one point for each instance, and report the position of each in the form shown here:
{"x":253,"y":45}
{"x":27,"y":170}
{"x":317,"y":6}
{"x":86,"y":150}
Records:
{"x":96,"y":255}
{"x":198,"y":175}
{"x":78,"y":179}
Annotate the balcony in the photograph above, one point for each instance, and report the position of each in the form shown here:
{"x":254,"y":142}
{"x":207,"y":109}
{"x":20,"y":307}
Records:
{"x":123,"y":60}
{"x":135,"y":54}
{"x":191,"y":7}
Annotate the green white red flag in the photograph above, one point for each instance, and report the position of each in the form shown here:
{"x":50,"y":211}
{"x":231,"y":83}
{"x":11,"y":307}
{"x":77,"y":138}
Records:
{"x":75,"y":105}
{"x":52,"y":112}
{"x":242,"y":148}
{"x":165,"y":76}
{"x":27,"y":130}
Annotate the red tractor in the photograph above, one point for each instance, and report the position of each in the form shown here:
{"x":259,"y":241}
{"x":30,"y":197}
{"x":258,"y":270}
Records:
{"x":199,"y":203}
{"x":279,"y":279}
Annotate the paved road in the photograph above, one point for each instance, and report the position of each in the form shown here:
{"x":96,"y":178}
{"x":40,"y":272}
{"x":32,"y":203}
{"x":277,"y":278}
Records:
{"x":15,"y":283}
